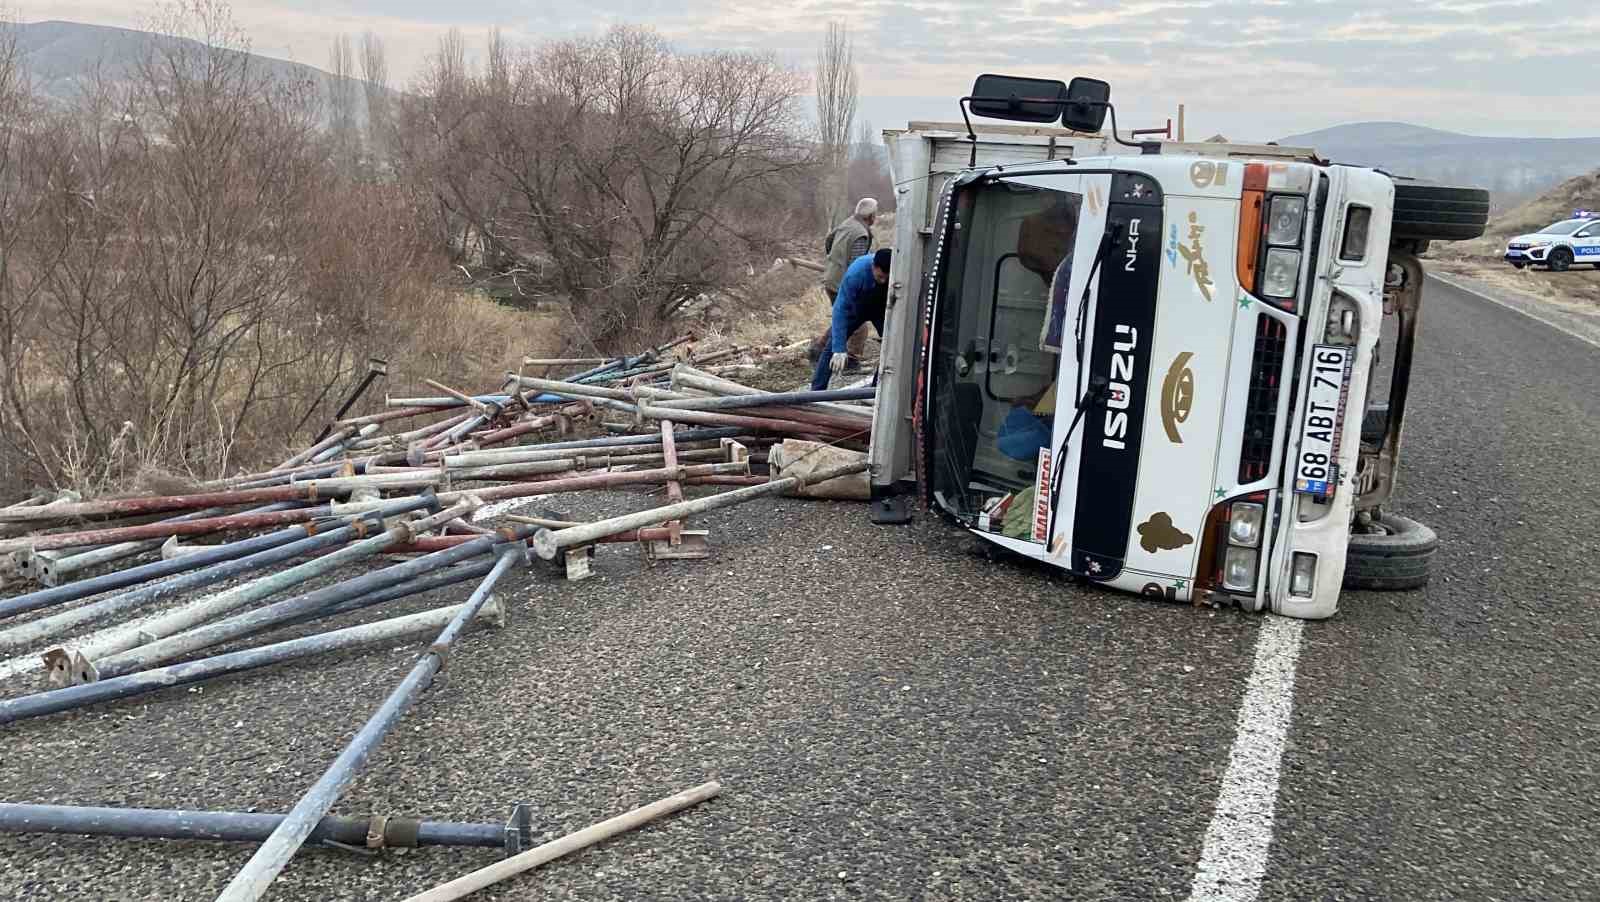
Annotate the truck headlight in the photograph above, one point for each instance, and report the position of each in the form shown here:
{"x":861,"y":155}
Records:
{"x":1239,"y":569}
{"x":1286,"y":219}
{"x":1244,"y":524}
{"x":1282,"y":273}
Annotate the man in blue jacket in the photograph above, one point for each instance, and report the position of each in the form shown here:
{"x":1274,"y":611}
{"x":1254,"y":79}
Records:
{"x":863,"y":293}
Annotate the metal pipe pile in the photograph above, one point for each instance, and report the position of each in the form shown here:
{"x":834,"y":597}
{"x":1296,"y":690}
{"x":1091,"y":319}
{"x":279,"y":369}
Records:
{"x":101,"y":596}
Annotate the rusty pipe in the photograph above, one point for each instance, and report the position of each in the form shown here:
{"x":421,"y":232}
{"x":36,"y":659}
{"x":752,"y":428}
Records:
{"x":597,"y":481}
{"x":312,"y":490}
{"x":161,"y":530}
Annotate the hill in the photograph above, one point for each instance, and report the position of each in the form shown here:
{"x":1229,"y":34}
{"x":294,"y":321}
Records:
{"x":1511,"y":168}
{"x":1578,"y":193}
{"x":59,"y":56}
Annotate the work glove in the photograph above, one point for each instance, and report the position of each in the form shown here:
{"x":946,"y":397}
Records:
{"x":837,"y":363}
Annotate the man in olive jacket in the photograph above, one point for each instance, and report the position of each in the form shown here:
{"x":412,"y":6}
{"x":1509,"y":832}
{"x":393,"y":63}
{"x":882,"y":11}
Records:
{"x":848,"y":241}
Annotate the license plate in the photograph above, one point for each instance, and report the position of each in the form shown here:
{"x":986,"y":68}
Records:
{"x":1316,"y":470}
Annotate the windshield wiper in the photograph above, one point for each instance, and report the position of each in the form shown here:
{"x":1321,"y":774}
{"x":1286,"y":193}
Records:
{"x":1097,"y":389}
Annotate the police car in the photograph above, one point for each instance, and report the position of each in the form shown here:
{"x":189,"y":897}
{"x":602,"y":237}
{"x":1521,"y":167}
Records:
{"x":1558,"y":246}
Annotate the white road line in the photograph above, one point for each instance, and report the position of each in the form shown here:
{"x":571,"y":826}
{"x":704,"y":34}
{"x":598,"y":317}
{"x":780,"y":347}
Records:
{"x":1234,"y":856}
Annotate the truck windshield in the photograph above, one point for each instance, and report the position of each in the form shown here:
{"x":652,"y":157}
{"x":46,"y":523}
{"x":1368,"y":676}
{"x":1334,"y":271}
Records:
{"x":1002,"y":315}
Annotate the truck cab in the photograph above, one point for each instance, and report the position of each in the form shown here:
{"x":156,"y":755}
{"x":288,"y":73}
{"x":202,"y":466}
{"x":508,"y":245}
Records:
{"x":1158,"y":370}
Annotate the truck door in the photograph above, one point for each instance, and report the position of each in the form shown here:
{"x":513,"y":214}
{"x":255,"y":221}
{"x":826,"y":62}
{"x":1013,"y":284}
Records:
{"x":994,"y":358}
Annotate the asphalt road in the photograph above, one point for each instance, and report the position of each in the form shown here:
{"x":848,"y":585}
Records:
{"x":1446,"y":743}
{"x":893,"y":717}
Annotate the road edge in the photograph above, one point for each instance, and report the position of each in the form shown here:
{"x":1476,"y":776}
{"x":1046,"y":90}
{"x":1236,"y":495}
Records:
{"x":1528,"y":308}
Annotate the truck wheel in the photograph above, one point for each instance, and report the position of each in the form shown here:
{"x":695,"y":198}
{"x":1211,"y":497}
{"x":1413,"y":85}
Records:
{"x":1400,"y":556}
{"x":1560,"y":260}
{"x":1438,"y":212}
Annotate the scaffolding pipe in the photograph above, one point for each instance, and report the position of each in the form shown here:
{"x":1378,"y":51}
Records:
{"x":817,"y":425}
{"x":686,"y":376}
{"x":340,"y":447}
{"x":727,"y":480}
{"x":549,"y":543}
{"x":251,"y":882}
{"x":462,"y":400}
{"x":54,"y":701}
{"x":430,"y":544}
{"x":108,"y":535}
{"x":160,"y":504}
{"x":333,"y":438}
{"x":531,"y":453}
{"x":669,"y":459}
{"x":683,"y":435}
{"x":165,"y":638}
{"x":450,"y":437}
{"x":438,"y":579}
{"x":204,"y":559}
{"x":26,"y":634}
{"x":142,"y":652}
{"x":730,"y":402}
{"x":57,"y":571}
{"x":237,"y":826}
{"x":607,"y":480}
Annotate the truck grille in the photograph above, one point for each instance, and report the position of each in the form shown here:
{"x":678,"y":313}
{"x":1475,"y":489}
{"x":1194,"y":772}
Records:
{"x":1261,"y":408}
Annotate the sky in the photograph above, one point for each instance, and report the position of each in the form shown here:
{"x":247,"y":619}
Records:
{"x":1251,"y":69}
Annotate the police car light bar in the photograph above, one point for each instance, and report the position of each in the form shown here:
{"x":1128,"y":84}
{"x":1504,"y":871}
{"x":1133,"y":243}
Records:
{"x":1586,"y":214}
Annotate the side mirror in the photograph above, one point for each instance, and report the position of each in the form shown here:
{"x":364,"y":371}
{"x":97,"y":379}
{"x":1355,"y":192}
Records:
{"x":1086,"y":100}
{"x":1018,"y":99}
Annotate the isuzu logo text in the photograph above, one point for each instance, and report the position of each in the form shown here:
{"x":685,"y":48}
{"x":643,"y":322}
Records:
{"x":1116,"y":424}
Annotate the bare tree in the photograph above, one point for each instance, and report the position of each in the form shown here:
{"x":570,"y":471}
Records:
{"x":868,"y":174}
{"x":836,"y":111}
{"x":615,"y":173}
{"x":450,"y":63}
{"x":375,"y":83}
{"x":342,"y":103}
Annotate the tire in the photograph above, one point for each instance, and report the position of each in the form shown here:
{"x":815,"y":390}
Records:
{"x":1400,"y":557}
{"x":1560,"y":260}
{"x":1521,"y":265}
{"x":1438,"y":212}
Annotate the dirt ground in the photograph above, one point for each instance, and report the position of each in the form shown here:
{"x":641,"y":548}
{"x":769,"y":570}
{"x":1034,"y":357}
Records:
{"x":1577,"y":289}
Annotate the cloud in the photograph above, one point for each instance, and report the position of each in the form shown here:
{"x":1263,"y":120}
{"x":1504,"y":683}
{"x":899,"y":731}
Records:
{"x":1247,"y":68}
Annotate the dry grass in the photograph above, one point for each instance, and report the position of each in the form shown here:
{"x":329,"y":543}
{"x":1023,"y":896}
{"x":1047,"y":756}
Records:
{"x":1577,"y":289}
{"x":469,"y":342}
{"x":785,"y":303}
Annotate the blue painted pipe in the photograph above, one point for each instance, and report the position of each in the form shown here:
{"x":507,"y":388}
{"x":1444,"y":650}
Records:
{"x":269,"y":860}
{"x":258,"y":619}
{"x":235,"y":826}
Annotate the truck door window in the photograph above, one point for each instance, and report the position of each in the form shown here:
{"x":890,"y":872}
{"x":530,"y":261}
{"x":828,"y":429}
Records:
{"x":997,"y":350}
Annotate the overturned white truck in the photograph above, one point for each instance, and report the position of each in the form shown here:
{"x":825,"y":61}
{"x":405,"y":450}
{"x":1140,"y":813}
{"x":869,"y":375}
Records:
{"x":1174,"y":369}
